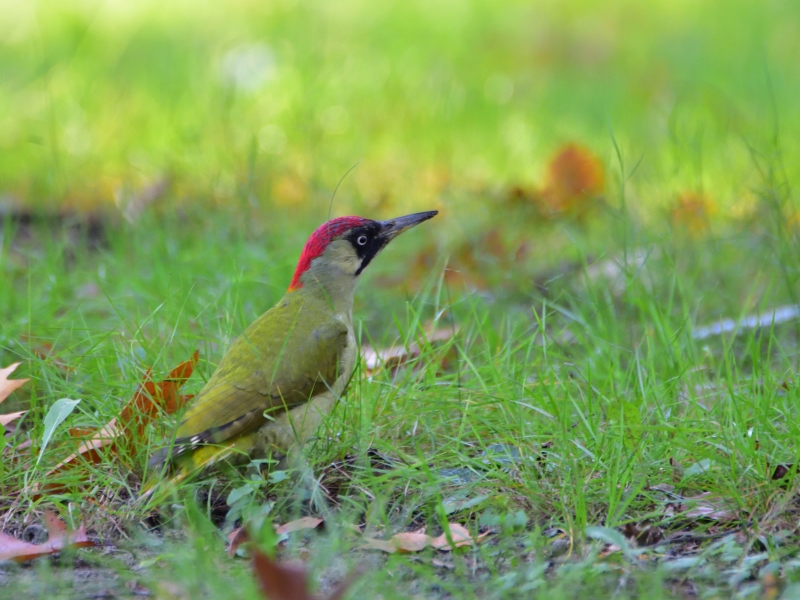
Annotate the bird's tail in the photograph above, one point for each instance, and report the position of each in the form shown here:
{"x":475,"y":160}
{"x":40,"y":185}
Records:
{"x":187,"y":465}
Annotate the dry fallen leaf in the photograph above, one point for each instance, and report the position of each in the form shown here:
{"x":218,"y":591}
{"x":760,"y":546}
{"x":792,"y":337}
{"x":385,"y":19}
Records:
{"x":6,"y":387}
{"x":417,"y":541}
{"x":119,"y":434}
{"x":287,"y":582}
{"x":18,"y":550}
{"x":236,"y":538}
{"x":393,"y":357}
{"x":299,"y":525}
{"x":781,"y":471}
{"x":239,"y":536}
{"x":459,"y":535}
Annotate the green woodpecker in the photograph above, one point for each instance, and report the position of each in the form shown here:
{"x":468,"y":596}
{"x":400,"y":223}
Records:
{"x":283,"y":375}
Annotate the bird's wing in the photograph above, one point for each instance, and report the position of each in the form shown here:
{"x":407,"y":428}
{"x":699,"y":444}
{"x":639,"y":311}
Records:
{"x":256,"y":377}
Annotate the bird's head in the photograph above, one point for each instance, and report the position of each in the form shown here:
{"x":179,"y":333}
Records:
{"x":339,"y":250}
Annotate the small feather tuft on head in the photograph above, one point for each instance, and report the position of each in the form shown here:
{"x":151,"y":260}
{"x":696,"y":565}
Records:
{"x":319,"y":240}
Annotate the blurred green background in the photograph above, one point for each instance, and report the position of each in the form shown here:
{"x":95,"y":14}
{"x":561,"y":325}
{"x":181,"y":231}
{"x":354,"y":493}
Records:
{"x":446,"y":104}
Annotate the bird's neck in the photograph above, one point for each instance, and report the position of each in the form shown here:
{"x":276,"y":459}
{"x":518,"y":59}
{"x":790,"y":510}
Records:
{"x":325,"y":284}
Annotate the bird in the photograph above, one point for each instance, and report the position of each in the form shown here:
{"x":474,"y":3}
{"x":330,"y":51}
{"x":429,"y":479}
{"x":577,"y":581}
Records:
{"x":283,"y":375}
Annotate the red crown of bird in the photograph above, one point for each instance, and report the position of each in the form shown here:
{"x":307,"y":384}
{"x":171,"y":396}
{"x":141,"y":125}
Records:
{"x":319,"y":240}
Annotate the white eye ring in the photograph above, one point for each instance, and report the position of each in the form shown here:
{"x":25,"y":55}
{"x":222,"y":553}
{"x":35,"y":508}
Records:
{"x":362,"y":240}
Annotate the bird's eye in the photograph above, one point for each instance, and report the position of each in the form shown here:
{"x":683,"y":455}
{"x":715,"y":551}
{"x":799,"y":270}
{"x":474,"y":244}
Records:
{"x":362,"y":240}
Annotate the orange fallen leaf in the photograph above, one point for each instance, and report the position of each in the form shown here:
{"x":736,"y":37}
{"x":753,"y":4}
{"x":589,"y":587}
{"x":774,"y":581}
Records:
{"x":59,"y":538}
{"x":287,"y":582}
{"x":81,"y":432}
{"x":148,"y":401}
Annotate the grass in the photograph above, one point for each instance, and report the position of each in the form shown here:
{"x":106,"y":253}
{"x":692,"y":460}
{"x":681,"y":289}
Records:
{"x":574,"y":407}
{"x":594,"y":386}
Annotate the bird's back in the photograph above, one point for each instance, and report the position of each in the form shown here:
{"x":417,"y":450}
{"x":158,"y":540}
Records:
{"x":257,"y":377}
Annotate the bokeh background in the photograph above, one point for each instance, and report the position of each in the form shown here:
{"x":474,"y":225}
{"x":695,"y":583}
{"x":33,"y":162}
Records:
{"x":211,"y":136}
{"x":266,"y":105}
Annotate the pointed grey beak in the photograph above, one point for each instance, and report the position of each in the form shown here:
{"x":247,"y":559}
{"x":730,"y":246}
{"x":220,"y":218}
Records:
{"x":393,"y":227}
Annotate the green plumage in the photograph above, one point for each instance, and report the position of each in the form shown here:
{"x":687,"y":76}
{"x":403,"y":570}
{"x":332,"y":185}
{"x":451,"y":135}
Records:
{"x":287,"y":356}
{"x":296,"y":351}
{"x":283,"y":375}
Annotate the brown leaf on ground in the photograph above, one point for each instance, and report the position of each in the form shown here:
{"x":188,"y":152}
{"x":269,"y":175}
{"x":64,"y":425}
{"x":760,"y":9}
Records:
{"x":574,"y":181}
{"x":149,"y":400}
{"x":9,"y":385}
{"x":287,"y":582}
{"x":410,"y":541}
{"x":18,"y":550}
{"x":7,"y":418}
{"x":299,"y":525}
{"x":460,"y":537}
{"x":6,"y":387}
{"x":781,"y":472}
{"x":417,"y":541}
{"x":236,"y":538}
{"x":393,"y":357}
